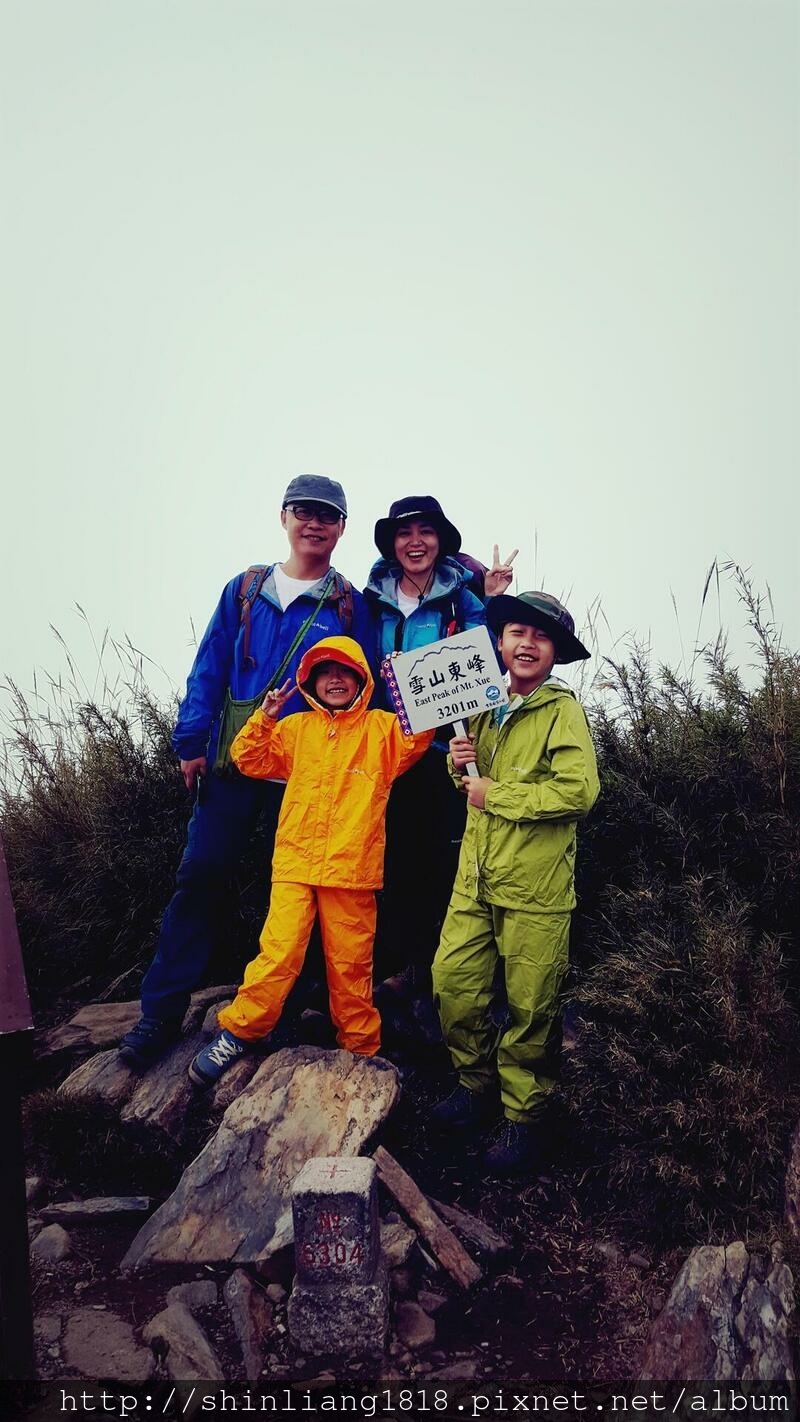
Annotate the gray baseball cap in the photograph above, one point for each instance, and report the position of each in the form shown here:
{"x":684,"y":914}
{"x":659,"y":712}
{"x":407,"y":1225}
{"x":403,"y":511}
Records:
{"x":316,"y":489}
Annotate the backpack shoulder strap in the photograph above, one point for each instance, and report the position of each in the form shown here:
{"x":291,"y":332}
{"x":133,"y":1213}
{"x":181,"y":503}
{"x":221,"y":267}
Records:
{"x":343,"y":593}
{"x":249,"y":588}
{"x":456,"y":623}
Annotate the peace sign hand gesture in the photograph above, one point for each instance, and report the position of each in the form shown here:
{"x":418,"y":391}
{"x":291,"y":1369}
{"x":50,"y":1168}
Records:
{"x":274,"y":701}
{"x":500,"y":574}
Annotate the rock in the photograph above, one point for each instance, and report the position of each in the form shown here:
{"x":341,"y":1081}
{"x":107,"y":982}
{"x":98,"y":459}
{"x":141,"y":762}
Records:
{"x":397,"y":1242}
{"x":52,"y":1245}
{"x":792,"y":1185}
{"x":402,"y":1283}
{"x":726,"y":1318}
{"x":430,"y":1301}
{"x":101,"y":1345}
{"x":640,"y":1261}
{"x":251,"y":1314}
{"x":34,"y":1225}
{"x":195,"y":1294}
{"x":457,"y":1372}
{"x":414,"y":1328}
{"x":103,"y":1075}
{"x":174,"y":1335}
{"x":278,"y":1268}
{"x":232,"y":1204}
{"x":210,"y":1026}
{"x":164,"y":1094}
{"x":234,"y":1081}
{"x":201,"y":1003}
{"x":359,"y":1327}
{"x":99,"y":1024}
{"x":316,"y":1028}
{"x":34,"y":1186}
{"x":109,"y":1207}
{"x":276,"y":1293}
{"x":607,"y":1249}
{"x":47,"y":1327}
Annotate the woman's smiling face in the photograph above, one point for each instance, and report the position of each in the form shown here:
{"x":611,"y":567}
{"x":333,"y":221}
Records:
{"x":416,"y":548}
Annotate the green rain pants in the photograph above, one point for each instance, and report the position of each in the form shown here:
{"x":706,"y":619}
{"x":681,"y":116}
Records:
{"x":533,"y":948}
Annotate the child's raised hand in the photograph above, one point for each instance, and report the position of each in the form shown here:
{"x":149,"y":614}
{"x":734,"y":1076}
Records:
{"x":274,"y":701}
{"x":462,"y":750}
{"x":500,"y":574}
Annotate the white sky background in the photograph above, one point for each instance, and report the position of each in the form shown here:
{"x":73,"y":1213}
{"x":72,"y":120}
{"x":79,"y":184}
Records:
{"x":538,"y":259}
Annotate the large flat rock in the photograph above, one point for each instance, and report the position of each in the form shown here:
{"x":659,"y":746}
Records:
{"x":103,"y":1075}
{"x":102,"y":1024}
{"x":99,"y":1024}
{"x":232,"y":1205}
{"x":163,"y":1096}
{"x":98,"y":1344}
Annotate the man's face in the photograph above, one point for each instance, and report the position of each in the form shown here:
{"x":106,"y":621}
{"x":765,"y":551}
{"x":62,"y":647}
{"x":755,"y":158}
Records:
{"x":312,"y":528}
{"x":528,"y":653}
{"x":335,"y":685}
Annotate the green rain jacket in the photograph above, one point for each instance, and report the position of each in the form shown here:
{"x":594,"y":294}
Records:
{"x":519,"y":852}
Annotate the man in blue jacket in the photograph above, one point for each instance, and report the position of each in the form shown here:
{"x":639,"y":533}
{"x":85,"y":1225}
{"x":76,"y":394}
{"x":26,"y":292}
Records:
{"x":301,"y":595}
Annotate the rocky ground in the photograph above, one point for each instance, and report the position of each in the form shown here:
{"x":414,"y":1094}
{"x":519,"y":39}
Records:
{"x":191,"y":1279}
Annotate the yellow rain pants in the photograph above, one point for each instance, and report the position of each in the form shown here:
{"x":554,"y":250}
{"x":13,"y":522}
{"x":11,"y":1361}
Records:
{"x":347,"y":925}
{"x":533,"y":948}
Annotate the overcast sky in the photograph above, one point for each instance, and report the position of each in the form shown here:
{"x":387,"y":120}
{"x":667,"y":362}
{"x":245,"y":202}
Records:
{"x":538,"y":259}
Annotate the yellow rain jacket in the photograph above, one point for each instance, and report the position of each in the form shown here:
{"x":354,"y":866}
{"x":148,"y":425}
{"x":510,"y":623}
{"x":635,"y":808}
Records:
{"x":339,"y":767}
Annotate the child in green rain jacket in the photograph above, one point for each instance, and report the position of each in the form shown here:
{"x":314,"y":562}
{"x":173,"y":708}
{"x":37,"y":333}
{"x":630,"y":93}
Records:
{"x":514,"y":891}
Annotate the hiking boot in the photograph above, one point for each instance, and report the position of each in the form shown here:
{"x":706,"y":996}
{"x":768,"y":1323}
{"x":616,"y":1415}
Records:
{"x":518,"y":1150}
{"x":148,"y":1042}
{"x":465,"y":1110}
{"x":209,"y":1065}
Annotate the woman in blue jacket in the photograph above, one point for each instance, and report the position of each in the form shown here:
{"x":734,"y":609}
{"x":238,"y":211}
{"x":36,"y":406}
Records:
{"x":418,"y":593}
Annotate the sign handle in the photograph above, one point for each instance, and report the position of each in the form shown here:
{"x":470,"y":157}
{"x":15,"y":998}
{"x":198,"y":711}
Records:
{"x":471,"y":767}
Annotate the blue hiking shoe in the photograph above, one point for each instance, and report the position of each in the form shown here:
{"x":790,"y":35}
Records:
{"x":148,"y":1042}
{"x":209,"y":1065}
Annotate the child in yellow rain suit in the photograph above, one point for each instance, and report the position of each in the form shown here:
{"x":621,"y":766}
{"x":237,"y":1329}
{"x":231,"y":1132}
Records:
{"x":339,"y":763}
{"x":514,"y":891}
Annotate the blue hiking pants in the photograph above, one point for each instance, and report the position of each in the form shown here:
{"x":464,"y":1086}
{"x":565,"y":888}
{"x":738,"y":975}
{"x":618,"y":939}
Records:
{"x":220,"y":827}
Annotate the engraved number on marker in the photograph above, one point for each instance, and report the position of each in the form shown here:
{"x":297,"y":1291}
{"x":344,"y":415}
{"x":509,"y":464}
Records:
{"x":323,"y":1253}
{"x":456,"y":708}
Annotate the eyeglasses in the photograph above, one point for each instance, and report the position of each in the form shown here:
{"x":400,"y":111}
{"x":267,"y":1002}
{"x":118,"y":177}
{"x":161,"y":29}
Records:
{"x":324,"y":513}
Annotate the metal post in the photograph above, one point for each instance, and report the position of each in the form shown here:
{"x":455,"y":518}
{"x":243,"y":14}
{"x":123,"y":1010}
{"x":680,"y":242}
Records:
{"x":16,"y":1314}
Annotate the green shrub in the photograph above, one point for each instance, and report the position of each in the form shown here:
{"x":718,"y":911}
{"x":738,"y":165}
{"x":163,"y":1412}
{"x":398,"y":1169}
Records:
{"x":77,"y":1144}
{"x":93,"y":811}
{"x":684,"y":1083}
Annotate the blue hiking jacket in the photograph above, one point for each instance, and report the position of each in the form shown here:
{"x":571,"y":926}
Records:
{"x":218,"y":664}
{"x":449,"y":600}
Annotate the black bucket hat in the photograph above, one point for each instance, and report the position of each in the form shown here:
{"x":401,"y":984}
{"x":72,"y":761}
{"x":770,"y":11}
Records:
{"x":422,"y":506}
{"x":538,"y":609}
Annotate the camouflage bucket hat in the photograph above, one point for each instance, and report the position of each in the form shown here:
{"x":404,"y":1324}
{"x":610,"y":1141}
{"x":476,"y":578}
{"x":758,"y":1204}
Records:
{"x":538,"y":609}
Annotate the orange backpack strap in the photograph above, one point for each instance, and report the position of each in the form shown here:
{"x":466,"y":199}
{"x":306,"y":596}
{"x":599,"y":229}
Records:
{"x":249,"y":588}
